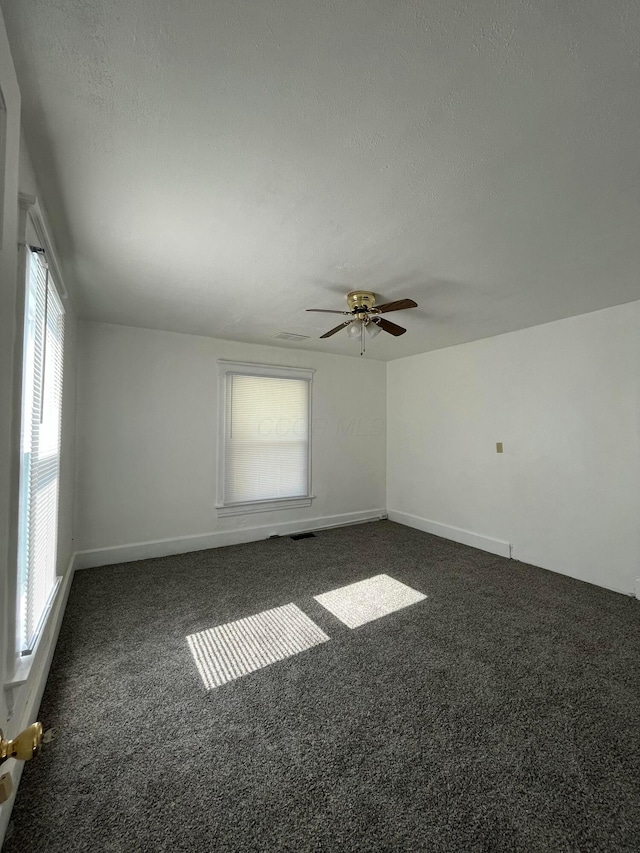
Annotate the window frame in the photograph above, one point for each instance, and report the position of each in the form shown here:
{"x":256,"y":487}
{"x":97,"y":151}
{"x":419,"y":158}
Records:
{"x":32,"y":230}
{"x":27,"y":644}
{"x":274,"y":371}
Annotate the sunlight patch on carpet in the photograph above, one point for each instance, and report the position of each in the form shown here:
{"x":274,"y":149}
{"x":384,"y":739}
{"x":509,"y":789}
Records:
{"x":230,"y":651}
{"x":367,"y":600}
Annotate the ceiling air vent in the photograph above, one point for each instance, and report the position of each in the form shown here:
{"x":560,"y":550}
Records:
{"x":290,"y":336}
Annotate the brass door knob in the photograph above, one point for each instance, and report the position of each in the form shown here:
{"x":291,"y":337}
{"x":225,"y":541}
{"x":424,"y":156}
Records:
{"x":24,"y":746}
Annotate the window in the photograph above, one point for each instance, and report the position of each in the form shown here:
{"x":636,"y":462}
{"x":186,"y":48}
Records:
{"x":264,"y":438}
{"x":40,"y":449}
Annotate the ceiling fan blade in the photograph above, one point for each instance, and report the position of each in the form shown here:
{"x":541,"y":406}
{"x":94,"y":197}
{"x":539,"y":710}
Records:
{"x":390,"y":327}
{"x":341,"y":326}
{"x":327,"y":311}
{"x":398,"y":305}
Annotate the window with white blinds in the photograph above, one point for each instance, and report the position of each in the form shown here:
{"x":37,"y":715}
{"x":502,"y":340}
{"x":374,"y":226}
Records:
{"x":40,"y":449}
{"x":266,"y":435}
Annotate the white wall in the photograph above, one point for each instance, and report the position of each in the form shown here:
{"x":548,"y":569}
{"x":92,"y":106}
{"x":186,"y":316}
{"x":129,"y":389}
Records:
{"x":147,"y":429}
{"x":564,"y":400}
{"x":8,"y":371}
{"x":19,"y":705}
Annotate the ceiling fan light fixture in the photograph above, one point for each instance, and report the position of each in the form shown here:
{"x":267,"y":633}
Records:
{"x":363,"y":313}
{"x":373,"y":329}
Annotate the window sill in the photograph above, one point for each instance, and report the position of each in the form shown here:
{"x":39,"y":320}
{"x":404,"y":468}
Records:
{"x":224,"y":510}
{"x":23,"y":665}
{"x":20,"y":674}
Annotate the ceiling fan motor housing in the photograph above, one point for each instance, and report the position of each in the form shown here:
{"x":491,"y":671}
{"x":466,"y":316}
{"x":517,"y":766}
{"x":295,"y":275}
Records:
{"x":361,"y":299}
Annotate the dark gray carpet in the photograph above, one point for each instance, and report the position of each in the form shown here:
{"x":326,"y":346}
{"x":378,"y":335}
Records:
{"x":501,"y":714}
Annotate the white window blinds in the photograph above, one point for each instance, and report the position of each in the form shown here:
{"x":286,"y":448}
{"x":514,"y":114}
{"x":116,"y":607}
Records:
{"x":40,"y":449}
{"x":266,"y":438}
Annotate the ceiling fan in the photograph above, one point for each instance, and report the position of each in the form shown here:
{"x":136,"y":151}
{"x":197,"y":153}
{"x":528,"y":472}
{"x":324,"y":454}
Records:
{"x":364,"y":314}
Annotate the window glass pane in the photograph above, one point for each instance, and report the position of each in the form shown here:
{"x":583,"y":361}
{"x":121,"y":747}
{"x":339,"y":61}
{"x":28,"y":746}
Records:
{"x":266,"y":438}
{"x":40,"y":450}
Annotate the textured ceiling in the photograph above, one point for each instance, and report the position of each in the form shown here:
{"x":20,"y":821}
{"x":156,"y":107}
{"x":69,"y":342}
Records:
{"x":218,"y":167}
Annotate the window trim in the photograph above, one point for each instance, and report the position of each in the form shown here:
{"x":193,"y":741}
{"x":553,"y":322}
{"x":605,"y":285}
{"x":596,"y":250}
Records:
{"x":24,"y":517}
{"x":275,"y":371}
{"x":31,"y":224}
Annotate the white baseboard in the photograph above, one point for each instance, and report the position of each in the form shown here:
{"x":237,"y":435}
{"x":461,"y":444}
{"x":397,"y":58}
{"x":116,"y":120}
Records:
{"x":456,"y":534}
{"x":183,"y":544}
{"x":28,"y":694}
{"x":493,"y":546}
